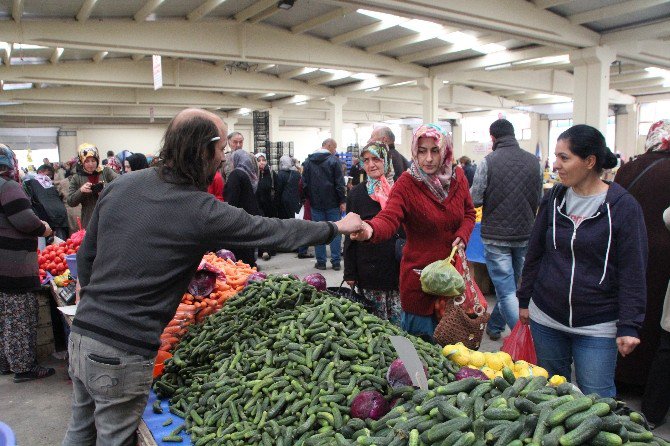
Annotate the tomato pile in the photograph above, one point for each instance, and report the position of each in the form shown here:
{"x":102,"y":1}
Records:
{"x":52,"y":259}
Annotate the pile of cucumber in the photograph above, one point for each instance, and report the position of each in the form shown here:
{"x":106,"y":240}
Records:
{"x":280,"y":365}
{"x":503,"y":412}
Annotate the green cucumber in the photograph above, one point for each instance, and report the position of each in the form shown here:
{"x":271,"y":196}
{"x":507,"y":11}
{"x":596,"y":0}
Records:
{"x":501,"y":413}
{"x":600,"y":409}
{"x":606,"y":439}
{"x":553,"y":437}
{"x":442,"y":430}
{"x":586,"y":430}
{"x":561,"y":413}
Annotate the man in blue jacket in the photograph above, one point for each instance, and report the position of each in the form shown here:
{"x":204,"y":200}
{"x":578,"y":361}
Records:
{"x":323,"y":183}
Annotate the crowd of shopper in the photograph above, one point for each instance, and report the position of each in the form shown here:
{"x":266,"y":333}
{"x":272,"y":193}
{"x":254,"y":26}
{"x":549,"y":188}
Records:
{"x":583,"y":265}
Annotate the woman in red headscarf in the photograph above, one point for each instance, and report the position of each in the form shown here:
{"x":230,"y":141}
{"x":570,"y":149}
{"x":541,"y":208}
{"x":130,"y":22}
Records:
{"x":647,"y":178}
{"x":432,"y":202}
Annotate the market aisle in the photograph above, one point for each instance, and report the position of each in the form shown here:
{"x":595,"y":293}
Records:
{"x":39,"y":411}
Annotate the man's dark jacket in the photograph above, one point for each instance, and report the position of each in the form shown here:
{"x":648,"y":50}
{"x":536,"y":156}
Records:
{"x":323,"y":181}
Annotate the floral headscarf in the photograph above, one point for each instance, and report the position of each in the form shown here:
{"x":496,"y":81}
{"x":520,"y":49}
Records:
{"x":87,"y":150}
{"x":242,"y":161}
{"x":658,"y":138}
{"x":437,"y":183}
{"x":8,"y":159}
{"x":379,"y":189}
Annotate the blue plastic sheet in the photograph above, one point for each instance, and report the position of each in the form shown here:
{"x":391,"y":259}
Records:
{"x":155,"y":422}
{"x":475,"y":249}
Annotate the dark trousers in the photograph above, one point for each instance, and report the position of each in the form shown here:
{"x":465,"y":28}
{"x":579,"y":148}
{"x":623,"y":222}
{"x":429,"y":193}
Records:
{"x":656,"y":399}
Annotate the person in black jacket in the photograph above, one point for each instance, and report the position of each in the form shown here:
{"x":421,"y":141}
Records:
{"x":240,"y":191}
{"x":468,"y":168}
{"x":323,"y":183}
{"x":583,"y":286}
{"x":46,"y":201}
{"x":267,"y":185}
{"x":373,"y":267}
{"x":288,"y":188}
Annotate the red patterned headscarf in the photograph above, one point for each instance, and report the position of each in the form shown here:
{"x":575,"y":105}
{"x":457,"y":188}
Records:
{"x":439,"y":182}
{"x":658,"y":138}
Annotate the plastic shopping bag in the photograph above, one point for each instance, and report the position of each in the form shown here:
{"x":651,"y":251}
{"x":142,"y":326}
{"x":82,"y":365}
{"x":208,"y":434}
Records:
{"x":440,"y":278}
{"x":519,"y":344}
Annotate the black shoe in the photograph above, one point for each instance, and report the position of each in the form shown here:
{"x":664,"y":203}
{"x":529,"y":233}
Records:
{"x":306,"y":256}
{"x":38,"y":372}
{"x":493,"y":336}
{"x":320,"y":266}
{"x":337,"y":267}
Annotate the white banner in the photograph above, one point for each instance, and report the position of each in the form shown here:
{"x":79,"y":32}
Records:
{"x":158,"y":72}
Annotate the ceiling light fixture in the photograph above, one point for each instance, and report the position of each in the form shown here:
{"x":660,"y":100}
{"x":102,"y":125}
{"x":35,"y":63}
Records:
{"x":373,"y":89}
{"x":18,"y":86}
{"x":285,"y":4}
{"x":301,"y":103}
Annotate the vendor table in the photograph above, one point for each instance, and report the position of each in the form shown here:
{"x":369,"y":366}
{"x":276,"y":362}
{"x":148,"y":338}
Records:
{"x":145,"y":435}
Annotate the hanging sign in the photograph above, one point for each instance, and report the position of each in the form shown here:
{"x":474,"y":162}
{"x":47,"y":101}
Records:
{"x":158,"y":72}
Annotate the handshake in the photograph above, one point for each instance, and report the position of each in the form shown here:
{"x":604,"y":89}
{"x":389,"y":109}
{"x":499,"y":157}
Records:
{"x":353,"y":226}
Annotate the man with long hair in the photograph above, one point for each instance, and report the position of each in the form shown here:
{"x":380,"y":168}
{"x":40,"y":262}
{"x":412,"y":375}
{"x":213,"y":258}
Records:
{"x":131,"y":285}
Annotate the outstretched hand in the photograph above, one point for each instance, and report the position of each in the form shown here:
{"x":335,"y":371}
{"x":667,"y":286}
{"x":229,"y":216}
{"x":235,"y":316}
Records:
{"x":350,"y":223}
{"x":363,"y":234}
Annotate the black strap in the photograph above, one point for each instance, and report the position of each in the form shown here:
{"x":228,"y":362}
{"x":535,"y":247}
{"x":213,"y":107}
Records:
{"x":641,"y":174}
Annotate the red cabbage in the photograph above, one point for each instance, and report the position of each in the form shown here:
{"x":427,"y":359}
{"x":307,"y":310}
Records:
{"x":397,"y":375}
{"x":202,"y":283}
{"x":369,"y":404}
{"x":256,"y":277}
{"x":469,"y":372}
{"x":316,"y":280}
{"x":225,"y":254}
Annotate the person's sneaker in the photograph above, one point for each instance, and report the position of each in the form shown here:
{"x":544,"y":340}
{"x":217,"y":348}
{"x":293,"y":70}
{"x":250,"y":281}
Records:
{"x":266,"y":256}
{"x":306,"y":256}
{"x":320,"y":266}
{"x":337,"y":267}
{"x":493,"y":336}
{"x":38,"y":372}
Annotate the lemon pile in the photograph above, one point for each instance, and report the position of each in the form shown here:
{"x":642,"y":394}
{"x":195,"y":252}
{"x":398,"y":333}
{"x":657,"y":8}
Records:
{"x":492,"y":363}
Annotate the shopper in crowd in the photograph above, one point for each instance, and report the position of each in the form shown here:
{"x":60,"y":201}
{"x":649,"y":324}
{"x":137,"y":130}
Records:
{"x":120,"y":317}
{"x":63,"y":186}
{"x":288,"y":188}
{"x":508,"y":183}
{"x":468,"y":168}
{"x":583,"y":285}
{"x":385,"y":135}
{"x":432,"y":203}
{"x":110,"y":155}
{"x":357,"y":173}
{"x":217,"y":185}
{"x":235,"y":142}
{"x":647,"y":179}
{"x":88,"y":182}
{"x":135,"y":162}
{"x":19,"y":278}
{"x":60,"y":172}
{"x":240,"y":191}
{"x":373,"y":267}
{"x":265,"y":194}
{"x":323,"y":184}
{"x":656,"y":399}
{"x":46,"y":201}
{"x":121,"y":158}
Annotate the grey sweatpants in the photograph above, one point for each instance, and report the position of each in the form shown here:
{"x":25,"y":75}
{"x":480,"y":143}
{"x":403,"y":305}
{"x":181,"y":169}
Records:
{"x":110,"y":391}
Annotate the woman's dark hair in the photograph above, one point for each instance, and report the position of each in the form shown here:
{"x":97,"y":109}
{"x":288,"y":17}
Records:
{"x":137,"y":161}
{"x":188,"y":150}
{"x":585,"y":141}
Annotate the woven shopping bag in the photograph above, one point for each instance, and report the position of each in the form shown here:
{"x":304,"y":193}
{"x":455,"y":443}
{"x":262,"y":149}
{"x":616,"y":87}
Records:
{"x":463,"y":318}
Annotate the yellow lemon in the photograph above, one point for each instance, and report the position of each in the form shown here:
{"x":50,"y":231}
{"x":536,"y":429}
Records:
{"x":460,"y":358}
{"x":489,"y":372}
{"x":539,"y":371}
{"x":557,"y":380}
{"x":449,"y":350}
{"x":506,"y":359}
{"x":520,"y":365}
{"x":525,"y":372}
{"x":477,"y":359}
{"x":493,"y":361}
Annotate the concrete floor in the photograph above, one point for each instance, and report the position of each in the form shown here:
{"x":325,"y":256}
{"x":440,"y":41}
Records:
{"x":39,"y":411}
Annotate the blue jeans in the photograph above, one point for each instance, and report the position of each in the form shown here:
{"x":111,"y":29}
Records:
{"x":333,"y":214}
{"x":504,"y":264}
{"x":594,"y":358}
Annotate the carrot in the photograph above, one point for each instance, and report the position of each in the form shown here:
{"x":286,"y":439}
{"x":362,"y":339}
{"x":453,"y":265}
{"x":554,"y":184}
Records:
{"x":173,"y":329}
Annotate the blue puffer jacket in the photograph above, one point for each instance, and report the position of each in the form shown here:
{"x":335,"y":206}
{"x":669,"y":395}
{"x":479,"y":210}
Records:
{"x":323,"y":180}
{"x":591,"y":273}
